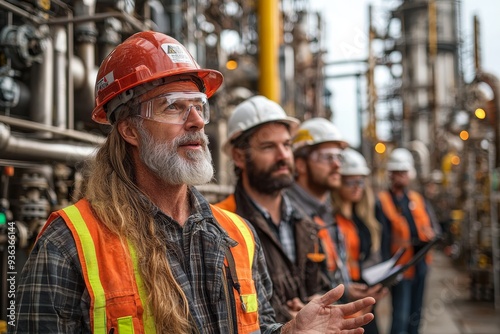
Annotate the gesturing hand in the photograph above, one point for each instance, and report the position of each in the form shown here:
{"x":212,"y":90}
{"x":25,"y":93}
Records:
{"x":320,"y":316}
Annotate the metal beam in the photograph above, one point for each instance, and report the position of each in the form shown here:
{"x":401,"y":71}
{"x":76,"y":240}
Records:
{"x":343,"y":62}
{"x":345,"y":75}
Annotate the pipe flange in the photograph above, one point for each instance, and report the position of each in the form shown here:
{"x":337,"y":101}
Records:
{"x":23,"y":45}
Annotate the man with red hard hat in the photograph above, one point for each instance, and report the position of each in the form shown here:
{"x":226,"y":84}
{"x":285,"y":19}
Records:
{"x":143,"y":251}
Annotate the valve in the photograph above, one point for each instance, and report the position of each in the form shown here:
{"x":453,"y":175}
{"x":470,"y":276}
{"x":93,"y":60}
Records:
{"x":22,"y":44}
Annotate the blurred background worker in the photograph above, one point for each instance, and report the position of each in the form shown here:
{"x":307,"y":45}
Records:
{"x":260,"y":145}
{"x":406,"y":224}
{"x":318,"y":147}
{"x":436,"y":203}
{"x":354,"y":205}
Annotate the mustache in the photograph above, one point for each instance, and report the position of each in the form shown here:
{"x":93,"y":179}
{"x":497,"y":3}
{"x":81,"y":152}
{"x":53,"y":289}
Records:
{"x":282,"y":163}
{"x":187,"y":138}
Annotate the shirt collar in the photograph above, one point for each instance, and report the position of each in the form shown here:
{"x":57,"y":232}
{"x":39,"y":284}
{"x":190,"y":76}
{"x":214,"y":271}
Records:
{"x":286,"y":209}
{"x":199,"y":206}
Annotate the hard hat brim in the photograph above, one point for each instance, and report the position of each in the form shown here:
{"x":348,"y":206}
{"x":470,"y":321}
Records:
{"x":292,"y":122}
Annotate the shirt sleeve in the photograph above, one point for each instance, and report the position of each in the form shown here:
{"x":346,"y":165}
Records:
{"x":51,"y":294}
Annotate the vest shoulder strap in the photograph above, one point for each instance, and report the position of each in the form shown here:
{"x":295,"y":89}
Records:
{"x":246,"y":301}
{"x":237,"y":229}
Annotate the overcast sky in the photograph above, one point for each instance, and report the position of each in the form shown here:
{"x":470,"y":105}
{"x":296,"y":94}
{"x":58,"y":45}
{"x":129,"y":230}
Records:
{"x":345,"y":38}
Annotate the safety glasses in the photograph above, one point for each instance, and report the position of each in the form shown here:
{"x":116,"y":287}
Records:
{"x":174,"y":108}
{"x":327,"y":156}
{"x":351,"y":183}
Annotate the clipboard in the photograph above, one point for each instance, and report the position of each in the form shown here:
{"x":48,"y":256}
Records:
{"x":420,"y":254}
{"x":387,"y":273}
{"x":384,"y":271}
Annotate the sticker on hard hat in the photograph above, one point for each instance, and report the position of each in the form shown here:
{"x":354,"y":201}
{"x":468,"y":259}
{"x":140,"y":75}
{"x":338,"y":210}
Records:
{"x":104,"y":82}
{"x":176,"y":53}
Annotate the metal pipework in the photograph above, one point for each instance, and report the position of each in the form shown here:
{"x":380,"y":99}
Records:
{"x":13,"y":147}
{"x":42,"y":83}
{"x":73,"y":134}
{"x":17,"y":10}
{"x":136,"y":24}
{"x":60,"y":84}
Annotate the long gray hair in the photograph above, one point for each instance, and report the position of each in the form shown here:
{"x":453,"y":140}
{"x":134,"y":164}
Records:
{"x":109,"y":186}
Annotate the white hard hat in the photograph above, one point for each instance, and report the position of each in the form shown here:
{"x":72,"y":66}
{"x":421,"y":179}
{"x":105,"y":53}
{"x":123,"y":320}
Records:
{"x":354,"y":163}
{"x":436,"y":176}
{"x":316,"y":131}
{"x":400,"y":160}
{"x":255,"y":111}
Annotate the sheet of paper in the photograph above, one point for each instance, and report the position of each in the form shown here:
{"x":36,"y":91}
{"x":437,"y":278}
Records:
{"x":383,"y":270}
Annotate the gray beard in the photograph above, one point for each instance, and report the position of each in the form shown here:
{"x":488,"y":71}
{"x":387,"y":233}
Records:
{"x":163,"y":159}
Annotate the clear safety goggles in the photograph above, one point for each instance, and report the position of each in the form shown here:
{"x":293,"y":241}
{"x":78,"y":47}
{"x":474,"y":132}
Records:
{"x":174,"y":108}
{"x":351,"y":183}
{"x":328,"y":156}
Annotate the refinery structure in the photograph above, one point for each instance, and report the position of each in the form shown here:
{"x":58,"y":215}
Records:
{"x":50,"y":52}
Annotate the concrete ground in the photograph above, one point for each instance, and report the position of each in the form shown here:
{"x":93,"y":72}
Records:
{"x":448,"y":307}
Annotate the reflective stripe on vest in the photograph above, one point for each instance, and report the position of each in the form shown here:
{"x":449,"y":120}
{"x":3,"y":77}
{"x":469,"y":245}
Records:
{"x":246,"y":301}
{"x":110,"y":272}
{"x":351,"y":237}
{"x":400,"y":231}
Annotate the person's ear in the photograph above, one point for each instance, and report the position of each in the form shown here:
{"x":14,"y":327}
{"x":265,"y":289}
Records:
{"x":300,"y":166}
{"x":129,"y":132}
{"x":238,"y":155}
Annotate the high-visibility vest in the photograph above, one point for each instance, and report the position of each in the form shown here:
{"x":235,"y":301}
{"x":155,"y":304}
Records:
{"x":328,"y":245}
{"x":117,"y":293}
{"x":400,"y":230}
{"x":351,"y":237}
{"x":228,"y":203}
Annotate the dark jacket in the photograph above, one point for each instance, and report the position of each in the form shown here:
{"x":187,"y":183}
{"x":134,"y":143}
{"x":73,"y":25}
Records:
{"x":301,"y":279}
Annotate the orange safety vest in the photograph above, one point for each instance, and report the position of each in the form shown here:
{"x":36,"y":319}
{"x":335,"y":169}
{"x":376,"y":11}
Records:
{"x":112,"y":278}
{"x":400,"y":231}
{"x":351,"y":237}
{"x":229,"y":203}
{"x":332,"y":259}
{"x":328,"y":245}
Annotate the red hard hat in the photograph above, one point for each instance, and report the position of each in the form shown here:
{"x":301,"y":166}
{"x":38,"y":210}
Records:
{"x":142,"y":58}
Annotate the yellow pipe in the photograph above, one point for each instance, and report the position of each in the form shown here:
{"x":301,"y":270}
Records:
{"x":432,"y":29}
{"x":269,"y":78}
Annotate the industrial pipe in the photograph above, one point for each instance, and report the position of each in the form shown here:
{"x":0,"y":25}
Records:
{"x":269,"y":83}
{"x":12,"y":147}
